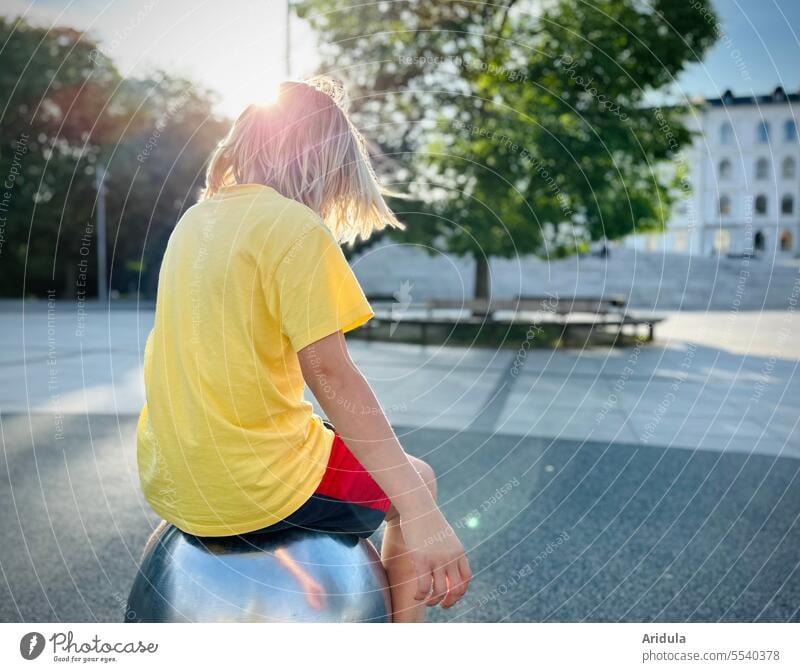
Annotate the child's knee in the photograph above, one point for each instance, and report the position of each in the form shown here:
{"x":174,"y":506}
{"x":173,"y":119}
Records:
{"x":428,"y":475}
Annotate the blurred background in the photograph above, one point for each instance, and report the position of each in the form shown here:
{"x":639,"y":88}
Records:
{"x":588,"y":326}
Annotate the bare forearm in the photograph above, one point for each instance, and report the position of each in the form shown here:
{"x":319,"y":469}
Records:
{"x":346,"y":398}
{"x":349,"y":403}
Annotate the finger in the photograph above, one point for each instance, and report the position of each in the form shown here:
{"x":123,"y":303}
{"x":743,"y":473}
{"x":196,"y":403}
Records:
{"x":439,"y":587}
{"x":461,"y":581}
{"x":464,"y":569}
{"x":423,"y":584}
{"x":456,"y":587}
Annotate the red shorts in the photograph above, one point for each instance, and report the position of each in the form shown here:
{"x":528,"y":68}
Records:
{"x":347,"y":500}
{"x":346,"y":480}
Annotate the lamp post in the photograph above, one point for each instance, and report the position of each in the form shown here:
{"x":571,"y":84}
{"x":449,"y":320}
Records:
{"x":288,"y":42}
{"x":102,"y":278}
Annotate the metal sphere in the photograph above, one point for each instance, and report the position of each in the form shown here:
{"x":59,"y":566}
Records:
{"x":287,"y":576}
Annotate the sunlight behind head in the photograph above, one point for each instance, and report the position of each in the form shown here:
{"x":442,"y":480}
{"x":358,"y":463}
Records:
{"x":267,"y":95}
{"x":304,"y":145}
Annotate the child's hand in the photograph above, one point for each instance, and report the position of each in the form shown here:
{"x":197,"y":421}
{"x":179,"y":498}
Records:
{"x":443,"y":573}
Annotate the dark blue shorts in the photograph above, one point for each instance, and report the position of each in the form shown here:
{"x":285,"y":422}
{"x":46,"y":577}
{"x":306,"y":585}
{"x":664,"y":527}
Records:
{"x":347,"y":501}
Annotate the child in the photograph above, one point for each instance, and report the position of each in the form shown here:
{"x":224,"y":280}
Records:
{"x":254,"y":297}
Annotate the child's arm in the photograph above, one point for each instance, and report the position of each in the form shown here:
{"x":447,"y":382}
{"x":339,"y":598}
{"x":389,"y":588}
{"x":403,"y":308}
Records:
{"x":349,"y":403}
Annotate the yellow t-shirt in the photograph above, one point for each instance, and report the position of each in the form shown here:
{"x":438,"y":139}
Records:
{"x":226,"y":444}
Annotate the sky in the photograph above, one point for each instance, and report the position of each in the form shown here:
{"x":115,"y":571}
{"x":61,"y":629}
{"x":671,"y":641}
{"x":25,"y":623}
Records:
{"x":237,"y":47}
{"x":758,"y":49}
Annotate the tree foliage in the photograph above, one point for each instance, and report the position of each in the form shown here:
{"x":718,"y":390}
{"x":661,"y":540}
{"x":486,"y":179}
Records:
{"x":67,"y":111}
{"x":518,"y":127}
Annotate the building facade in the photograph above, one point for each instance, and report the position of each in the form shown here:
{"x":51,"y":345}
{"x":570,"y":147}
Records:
{"x":742,"y":182}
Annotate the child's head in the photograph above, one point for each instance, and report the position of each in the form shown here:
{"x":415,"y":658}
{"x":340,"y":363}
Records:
{"x":306,"y":148}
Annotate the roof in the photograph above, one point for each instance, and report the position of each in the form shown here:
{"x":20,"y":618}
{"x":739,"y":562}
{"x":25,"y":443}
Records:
{"x":777,"y":96}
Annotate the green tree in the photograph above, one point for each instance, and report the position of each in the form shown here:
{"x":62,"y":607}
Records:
{"x":519,"y":127}
{"x":66,"y":112}
{"x":53,"y":122}
{"x":155,"y":172}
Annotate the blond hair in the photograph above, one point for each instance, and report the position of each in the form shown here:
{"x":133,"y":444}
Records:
{"x":306,"y":147}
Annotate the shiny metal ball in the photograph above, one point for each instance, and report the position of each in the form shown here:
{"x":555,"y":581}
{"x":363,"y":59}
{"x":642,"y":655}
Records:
{"x":288,"y":576}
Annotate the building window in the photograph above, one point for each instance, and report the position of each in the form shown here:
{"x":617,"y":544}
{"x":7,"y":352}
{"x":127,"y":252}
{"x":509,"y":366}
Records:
{"x":787,"y":205}
{"x":789,"y":168}
{"x":725,"y":169}
{"x":786,"y":241}
{"x":724,"y":205}
{"x":790,"y":130}
{"x":762,"y":132}
{"x":726,"y":133}
{"x":761,"y":204}
{"x":758,"y":241}
{"x":762,"y":169}
{"x":722,"y":240}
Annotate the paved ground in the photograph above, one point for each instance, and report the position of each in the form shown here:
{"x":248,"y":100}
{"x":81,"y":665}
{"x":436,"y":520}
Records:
{"x":658,"y":483}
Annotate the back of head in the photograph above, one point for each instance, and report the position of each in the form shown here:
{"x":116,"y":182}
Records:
{"x":305,"y":147}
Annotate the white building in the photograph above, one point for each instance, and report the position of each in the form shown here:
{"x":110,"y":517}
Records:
{"x":743,"y":180}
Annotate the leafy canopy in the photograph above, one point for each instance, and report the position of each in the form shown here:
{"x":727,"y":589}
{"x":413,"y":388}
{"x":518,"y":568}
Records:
{"x":66,"y":111}
{"x":518,"y":127}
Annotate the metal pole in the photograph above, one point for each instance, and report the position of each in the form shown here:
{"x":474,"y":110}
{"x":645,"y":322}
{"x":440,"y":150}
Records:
{"x":288,"y":43}
{"x":102,"y":277}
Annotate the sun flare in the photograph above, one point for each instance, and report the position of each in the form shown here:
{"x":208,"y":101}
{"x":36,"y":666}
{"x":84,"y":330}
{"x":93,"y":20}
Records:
{"x":267,"y":94}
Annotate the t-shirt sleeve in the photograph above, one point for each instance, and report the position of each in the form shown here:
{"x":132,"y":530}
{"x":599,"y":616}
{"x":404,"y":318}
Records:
{"x":318,"y":293}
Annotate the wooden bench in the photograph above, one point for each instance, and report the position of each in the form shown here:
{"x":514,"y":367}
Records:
{"x":603,"y":310}
{"x":567,"y":312}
